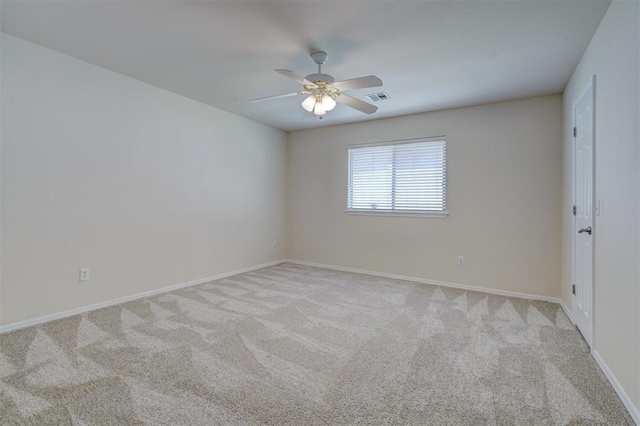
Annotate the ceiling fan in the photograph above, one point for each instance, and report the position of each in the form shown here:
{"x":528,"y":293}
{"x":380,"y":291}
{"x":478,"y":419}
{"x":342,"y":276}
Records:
{"x":323,"y":91}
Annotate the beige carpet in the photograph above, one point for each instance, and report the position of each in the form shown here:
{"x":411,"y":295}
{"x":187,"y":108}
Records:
{"x":302,"y":346}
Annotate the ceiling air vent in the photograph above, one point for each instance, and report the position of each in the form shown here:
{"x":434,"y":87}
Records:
{"x":380,"y":96}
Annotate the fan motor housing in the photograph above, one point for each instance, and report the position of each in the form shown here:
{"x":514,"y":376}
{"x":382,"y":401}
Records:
{"x":320,"y":77}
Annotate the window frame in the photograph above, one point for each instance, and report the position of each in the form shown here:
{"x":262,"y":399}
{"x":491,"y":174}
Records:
{"x":401,"y":213}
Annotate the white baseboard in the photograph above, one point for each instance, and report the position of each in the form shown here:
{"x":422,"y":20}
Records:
{"x":567,"y":311}
{"x":633,"y":410}
{"x":427,"y":281}
{"x":22,"y":324}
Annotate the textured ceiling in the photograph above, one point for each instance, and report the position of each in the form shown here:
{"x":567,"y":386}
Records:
{"x":429,"y":54}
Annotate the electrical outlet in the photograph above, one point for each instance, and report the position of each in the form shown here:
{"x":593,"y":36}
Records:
{"x":460,"y":260}
{"x":274,"y":243}
{"x":84,"y":274}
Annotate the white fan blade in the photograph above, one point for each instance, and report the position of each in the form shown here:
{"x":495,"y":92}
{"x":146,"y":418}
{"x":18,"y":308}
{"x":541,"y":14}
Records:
{"x":295,"y":76}
{"x":358,"y":83}
{"x":356,"y":104}
{"x":268,"y":98}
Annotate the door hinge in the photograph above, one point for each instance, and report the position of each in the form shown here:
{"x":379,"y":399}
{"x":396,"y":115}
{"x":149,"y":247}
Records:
{"x":575,"y":132}
{"x":574,"y":210}
{"x":573,"y":289}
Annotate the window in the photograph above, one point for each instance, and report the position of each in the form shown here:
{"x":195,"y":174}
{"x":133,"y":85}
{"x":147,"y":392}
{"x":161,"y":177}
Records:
{"x":398,"y":177}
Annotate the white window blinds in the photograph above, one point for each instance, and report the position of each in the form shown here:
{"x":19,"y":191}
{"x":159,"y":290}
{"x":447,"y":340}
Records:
{"x":401,"y":177}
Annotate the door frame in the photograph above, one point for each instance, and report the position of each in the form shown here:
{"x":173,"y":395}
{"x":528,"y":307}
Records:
{"x":591,"y":85}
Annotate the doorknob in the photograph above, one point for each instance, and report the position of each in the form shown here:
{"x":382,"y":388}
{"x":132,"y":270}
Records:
{"x":587,"y":230}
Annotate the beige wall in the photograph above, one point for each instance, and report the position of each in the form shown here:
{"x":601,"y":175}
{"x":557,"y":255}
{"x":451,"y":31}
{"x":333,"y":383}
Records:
{"x":504,"y":169}
{"x":613,"y":57}
{"x":145,"y":187}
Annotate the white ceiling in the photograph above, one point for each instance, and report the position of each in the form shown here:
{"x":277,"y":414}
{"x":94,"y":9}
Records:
{"x":429,"y":54}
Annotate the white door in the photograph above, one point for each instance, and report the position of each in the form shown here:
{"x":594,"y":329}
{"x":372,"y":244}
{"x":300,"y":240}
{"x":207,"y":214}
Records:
{"x":584,"y":223}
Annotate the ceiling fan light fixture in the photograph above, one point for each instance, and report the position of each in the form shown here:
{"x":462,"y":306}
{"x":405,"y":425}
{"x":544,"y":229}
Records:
{"x":328,"y":103}
{"x":309,"y":103}
{"x":323,"y":92}
{"x":319,"y":109}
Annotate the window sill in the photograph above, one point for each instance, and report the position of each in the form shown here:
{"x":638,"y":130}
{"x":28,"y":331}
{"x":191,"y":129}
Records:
{"x":431,"y":215}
